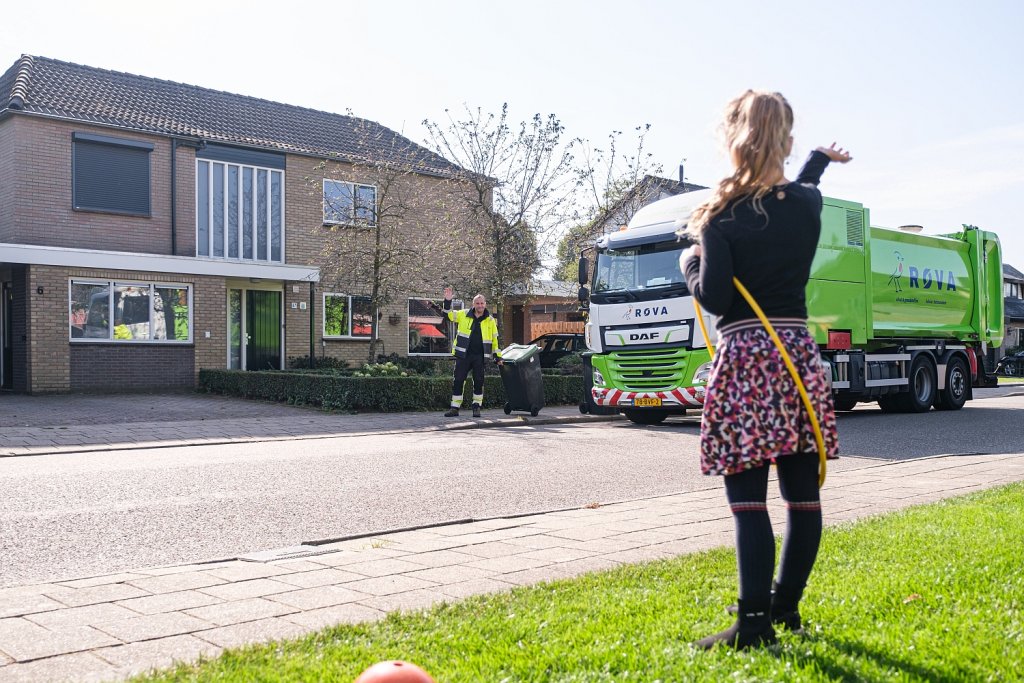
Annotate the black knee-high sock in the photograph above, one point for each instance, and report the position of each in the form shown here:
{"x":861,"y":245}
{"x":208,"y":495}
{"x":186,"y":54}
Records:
{"x":798,"y":482}
{"x":755,"y":544}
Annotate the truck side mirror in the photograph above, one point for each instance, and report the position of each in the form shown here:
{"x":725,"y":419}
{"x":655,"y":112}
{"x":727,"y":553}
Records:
{"x":584,"y":295}
{"x":582,"y":270}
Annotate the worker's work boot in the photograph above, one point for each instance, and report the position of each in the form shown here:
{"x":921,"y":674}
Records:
{"x":476,"y":410}
{"x":452,"y":412}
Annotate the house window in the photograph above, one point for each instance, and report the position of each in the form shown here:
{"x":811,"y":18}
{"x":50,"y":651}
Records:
{"x":110,"y":175}
{"x":430,"y":331}
{"x":349,"y":203}
{"x":239,"y":211}
{"x":130,"y":312}
{"x":347,"y":316}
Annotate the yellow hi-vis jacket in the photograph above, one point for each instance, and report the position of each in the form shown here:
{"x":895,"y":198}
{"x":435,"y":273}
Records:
{"x":488,"y":332}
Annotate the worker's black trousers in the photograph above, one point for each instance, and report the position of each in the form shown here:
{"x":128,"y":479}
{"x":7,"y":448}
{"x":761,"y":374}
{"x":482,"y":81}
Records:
{"x":463,"y":366}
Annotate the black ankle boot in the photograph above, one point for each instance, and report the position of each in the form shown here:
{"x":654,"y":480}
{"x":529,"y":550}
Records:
{"x":785,"y":608}
{"x":753,"y":628}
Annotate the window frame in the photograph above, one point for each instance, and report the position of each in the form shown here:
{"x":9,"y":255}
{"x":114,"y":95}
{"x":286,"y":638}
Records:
{"x":352,"y":221}
{"x":240,"y":211}
{"x":323,"y":317}
{"x":108,"y":141}
{"x":111,"y":285}
{"x":448,"y":339}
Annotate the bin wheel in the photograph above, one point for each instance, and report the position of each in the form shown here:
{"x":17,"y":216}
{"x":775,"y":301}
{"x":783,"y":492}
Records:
{"x":508,"y":408}
{"x":534,"y":411}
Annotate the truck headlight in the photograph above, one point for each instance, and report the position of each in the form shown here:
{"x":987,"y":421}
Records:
{"x":598,"y":379}
{"x":702,"y":373}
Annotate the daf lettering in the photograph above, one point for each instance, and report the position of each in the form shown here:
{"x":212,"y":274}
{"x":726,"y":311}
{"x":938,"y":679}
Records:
{"x":644,"y":336}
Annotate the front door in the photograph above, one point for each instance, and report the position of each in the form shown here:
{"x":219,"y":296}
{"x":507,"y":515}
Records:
{"x":6,"y":337}
{"x":254,"y":329}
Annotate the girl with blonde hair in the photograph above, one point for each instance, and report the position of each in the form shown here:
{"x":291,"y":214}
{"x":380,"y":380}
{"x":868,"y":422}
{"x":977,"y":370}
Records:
{"x":762,"y":229}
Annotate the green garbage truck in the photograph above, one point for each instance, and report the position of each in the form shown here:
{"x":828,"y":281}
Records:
{"x":900,"y":318}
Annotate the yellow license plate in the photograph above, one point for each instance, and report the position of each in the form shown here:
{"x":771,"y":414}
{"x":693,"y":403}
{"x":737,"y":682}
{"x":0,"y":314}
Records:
{"x":647,"y":403}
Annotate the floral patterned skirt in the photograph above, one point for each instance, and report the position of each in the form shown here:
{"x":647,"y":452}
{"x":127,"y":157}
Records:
{"x":753,"y":412}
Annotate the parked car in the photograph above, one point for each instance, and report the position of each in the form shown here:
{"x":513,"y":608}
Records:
{"x":1012,"y":365}
{"x":557,"y":345}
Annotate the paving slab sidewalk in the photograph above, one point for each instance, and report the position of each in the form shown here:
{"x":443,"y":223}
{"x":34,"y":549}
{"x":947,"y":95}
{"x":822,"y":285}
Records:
{"x":31,"y":425}
{"x":115,"y":626}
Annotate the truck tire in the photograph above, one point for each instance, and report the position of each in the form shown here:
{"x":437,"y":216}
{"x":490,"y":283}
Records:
{"x":922,"y":387}
{"x":958,"y":380}
{"x":645,"y":417}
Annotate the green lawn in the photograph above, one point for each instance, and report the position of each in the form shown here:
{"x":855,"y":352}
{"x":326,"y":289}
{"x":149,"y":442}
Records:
{"x":933,"y":593}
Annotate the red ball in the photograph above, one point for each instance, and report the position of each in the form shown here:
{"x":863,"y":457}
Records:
{"x":394,"y":672}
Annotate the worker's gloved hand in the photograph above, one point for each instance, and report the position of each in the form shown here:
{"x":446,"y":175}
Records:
{"x":500,"y":362}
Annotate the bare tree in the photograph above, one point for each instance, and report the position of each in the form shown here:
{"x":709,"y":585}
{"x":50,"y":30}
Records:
{"x":519,"y":184}
{"x":614,"y":185}
{"x":387,"y":212}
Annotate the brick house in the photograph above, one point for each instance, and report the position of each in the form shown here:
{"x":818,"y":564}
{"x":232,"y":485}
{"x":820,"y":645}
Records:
{"x":149,"y":229}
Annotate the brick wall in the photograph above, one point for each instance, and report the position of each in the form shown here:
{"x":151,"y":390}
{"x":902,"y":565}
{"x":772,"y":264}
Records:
{"x":42,"y":203}
{"x":50,"y":356}
{"x":131,"y":367}
{"x":6,"y":176}
{"x":436,"y":226}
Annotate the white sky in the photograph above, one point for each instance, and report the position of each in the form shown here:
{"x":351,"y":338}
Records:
{"x":929,"y":96}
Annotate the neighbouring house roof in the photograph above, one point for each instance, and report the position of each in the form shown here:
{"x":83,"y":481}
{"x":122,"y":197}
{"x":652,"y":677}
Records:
{"x":1011,"y":273}
{"x":550,"y":288}
{"x":52,"y":88}
{"x":1013,"y":308}
{"x":650,"y":189}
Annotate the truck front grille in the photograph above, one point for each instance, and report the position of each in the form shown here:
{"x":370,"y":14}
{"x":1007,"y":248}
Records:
{"x":648,"y":370}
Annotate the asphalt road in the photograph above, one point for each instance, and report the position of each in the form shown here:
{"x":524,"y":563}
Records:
{"x":76,"y":515}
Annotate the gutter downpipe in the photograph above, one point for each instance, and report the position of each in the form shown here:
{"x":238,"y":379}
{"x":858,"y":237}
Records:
{"x":312,"y":317}
{"x":174,"y":196}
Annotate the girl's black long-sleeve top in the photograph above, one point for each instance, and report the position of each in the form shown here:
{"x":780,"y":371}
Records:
{"x":770,"y":252}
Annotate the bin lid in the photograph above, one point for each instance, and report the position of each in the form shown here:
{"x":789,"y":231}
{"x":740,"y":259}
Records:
{"x":514,"y":353}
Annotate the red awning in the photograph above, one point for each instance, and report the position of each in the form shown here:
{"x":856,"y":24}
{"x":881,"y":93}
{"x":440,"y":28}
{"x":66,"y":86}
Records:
{"x":427,"y":330}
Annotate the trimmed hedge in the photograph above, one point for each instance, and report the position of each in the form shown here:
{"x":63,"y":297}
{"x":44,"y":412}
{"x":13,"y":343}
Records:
{"x":389,"y":394}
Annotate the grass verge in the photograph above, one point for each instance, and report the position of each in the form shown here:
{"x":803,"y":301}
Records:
{"x":930,"y":593}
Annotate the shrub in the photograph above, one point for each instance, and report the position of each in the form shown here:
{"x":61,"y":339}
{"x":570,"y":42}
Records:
{"x":383,"y":393}
{"x":320,"y":363}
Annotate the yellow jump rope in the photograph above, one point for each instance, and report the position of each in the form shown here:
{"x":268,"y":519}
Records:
{"x":789,"y":366}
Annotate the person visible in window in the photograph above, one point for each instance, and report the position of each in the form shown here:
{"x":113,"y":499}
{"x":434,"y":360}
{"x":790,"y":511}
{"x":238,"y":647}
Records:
{"x":476,"y":340}
{"x":763,"y":229}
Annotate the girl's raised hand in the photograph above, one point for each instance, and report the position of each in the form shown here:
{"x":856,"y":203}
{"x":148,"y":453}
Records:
{"x":836,"y":153}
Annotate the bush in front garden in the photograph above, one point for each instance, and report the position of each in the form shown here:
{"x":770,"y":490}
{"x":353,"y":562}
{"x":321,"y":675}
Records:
{"x":339,"y":392}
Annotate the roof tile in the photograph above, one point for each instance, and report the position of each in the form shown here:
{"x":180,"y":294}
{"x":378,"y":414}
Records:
{"x":50,"y":87}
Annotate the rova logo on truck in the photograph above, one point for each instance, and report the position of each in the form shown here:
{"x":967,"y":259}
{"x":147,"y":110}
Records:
{"x":927,"y":278}
{"x":641,"y":312}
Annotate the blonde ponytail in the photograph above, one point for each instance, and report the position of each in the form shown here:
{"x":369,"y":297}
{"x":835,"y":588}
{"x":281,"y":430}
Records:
{"x":756,"y":131}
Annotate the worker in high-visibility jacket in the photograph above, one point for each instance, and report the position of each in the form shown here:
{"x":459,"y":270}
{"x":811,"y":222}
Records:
{"x":476,"y":340}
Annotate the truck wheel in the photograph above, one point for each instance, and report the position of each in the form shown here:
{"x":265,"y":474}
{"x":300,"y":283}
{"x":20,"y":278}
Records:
{"x":645,"y":417}
{"x":954,"y":395}
{"x":845,"y":403}
{"x":922,"y":387}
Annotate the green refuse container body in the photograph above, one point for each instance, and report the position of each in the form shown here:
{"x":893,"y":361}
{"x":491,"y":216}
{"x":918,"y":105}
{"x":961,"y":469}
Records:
{"x":524,"y":384}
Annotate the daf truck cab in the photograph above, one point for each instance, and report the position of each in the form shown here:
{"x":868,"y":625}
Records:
{"x":647,"y":356}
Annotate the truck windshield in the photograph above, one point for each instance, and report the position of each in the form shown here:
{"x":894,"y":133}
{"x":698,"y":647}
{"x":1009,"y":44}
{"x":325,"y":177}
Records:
{"x":639,"y":268}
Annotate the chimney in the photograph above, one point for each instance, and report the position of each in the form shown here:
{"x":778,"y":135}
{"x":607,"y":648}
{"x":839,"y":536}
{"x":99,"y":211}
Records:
{"x":682,"y":178}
